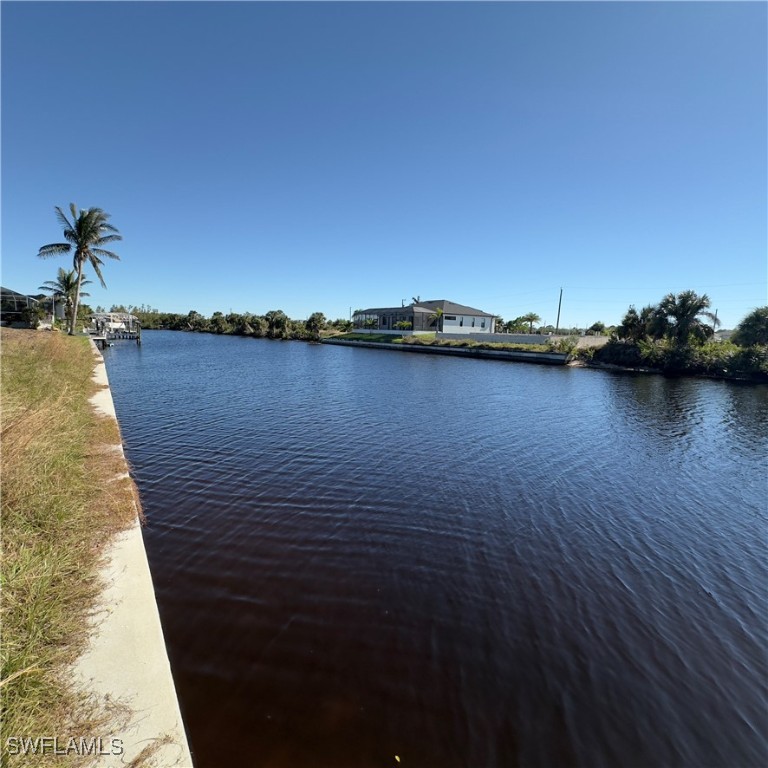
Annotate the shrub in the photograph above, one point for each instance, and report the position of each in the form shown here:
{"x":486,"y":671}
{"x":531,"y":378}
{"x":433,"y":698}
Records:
{"x":752,"y":360}
{"x":32,"y":316}
{"x":619,"y":353}
{"x":567,"y":345}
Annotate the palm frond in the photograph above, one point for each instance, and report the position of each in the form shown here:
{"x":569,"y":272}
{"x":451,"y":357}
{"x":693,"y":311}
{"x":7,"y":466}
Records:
{"x":108,"y":239}
{"x":53,"y":249}
{"x":102,"y":252}
{"x":63,"y":220}
{"x":712,"y":317}
{"x":95,"y":264}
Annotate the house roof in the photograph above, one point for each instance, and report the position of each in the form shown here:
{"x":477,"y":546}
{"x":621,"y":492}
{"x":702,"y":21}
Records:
{"x":15,"y":296}
{"x":448,"y":307}
{"x":379,"y":310}
{"x":451,"y":308}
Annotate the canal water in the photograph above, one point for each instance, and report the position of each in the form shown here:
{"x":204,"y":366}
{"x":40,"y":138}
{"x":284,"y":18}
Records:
{"x":361,"y":556}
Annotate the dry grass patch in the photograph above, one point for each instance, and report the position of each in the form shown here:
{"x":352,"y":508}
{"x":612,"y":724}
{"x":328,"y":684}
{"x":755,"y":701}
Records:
{"x":64,"y":495}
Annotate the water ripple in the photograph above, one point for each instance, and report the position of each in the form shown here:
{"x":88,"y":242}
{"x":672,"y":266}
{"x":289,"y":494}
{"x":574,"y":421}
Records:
{"x":359,"y":554}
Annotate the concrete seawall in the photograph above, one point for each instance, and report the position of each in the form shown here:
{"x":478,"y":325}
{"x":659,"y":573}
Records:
{"x":547,"y":358}
{"x":126,"y":661}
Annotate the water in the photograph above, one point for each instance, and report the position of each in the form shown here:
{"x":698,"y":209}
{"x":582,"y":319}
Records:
{"x":360,"y":554}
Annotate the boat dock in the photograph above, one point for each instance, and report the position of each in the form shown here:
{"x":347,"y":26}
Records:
{"x":105,"y":339}
{"x":114,"y":326}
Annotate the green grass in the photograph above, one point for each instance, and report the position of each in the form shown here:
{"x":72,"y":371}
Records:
{"x":57,"y":516}
{"x":475,"y":344}
{"x":428,"y":339}
{"x":377,"y":337}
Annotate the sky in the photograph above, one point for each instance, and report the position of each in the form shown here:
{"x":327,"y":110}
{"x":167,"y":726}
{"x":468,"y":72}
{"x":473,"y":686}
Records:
{"x":332,"y":156}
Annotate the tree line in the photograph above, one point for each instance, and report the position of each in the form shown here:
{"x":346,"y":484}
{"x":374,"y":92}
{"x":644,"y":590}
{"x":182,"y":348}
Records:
{"x":677,"y":335}
{"x":274,"y":324}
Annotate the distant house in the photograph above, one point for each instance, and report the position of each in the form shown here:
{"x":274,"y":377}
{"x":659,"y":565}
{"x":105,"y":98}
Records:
{"x":424,"y":318}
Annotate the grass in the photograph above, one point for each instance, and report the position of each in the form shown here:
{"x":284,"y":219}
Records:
{"x":475,"y":344}
{"x":428,"y":339}
{"x":377,"y":337}
{"x":62,"y":500}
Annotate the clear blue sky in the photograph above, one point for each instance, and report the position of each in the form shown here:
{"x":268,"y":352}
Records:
{"x":321,"y":156}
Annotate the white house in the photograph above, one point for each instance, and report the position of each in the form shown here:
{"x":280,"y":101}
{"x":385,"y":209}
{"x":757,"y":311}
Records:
{"x":424,"y":316}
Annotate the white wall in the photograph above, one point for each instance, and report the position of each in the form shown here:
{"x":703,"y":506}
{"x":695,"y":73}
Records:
{"x":463,"y":324}
{"x":509,"y":338}
{"x":521,"y":338}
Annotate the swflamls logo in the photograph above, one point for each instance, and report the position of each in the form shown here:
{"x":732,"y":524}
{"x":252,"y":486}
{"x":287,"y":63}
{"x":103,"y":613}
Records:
{"x":55,"y":745}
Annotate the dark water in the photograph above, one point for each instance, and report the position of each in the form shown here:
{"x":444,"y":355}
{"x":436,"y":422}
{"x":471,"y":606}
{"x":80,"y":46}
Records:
{"x":360,"y":554}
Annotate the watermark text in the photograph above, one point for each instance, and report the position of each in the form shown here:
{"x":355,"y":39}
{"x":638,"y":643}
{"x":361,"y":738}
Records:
{"x":58,"y":745}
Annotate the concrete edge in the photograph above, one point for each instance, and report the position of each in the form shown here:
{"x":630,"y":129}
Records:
{"x":547,"y":358}
{"x":126,"y":660}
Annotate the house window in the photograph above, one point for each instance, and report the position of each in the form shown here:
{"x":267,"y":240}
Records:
{"x":450,"y":317}
{"x":461,"y":322}
{"x":384,"y":322}
{"x":482,"y":325}
{"x":473,"y":322}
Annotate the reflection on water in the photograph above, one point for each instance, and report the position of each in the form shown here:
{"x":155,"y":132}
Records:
{"x":360,"y":554}
{"x":747,"y":412}
{"x":672,"y":407}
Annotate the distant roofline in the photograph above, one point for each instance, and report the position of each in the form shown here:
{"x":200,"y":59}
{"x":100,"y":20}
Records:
{"x":448,"y":307}
{"x":16,"y":295}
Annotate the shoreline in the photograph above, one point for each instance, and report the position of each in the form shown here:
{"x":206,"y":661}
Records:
{"x":519,"y":356}
{"x":510,"y":355}
{"x":126,"y":660}
{"x":668,"y":374}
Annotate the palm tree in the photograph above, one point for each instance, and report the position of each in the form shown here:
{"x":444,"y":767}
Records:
{"x":683,"y":312}
{"x":277,"y":321}
{"x":315,"y":322}
{"x":87,"y":232}
{"x":515,"y":326}
{"x":438,"y":318}
{"x":631,"y":327}
{"x":753,"y":329}
{"x":655,"y":323}
{"x":530,"y":318}
{"x":64,"y":288}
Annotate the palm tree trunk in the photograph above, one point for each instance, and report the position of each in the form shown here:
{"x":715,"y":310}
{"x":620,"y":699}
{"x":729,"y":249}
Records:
{"x":73,"y":319}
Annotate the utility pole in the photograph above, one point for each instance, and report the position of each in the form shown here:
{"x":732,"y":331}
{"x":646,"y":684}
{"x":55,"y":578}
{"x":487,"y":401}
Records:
{"x":559,"y":304}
